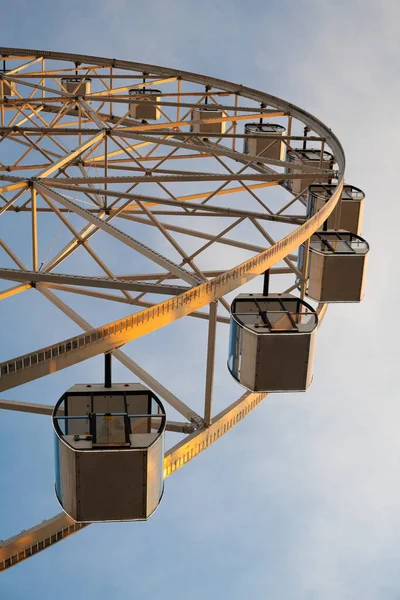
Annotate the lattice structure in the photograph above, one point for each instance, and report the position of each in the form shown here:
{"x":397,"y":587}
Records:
{"x":156,"y":160}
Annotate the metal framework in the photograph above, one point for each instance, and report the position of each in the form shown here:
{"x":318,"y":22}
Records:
{"x":75,"y":156}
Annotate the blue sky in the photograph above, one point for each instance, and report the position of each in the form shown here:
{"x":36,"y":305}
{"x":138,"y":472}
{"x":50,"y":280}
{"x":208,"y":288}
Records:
{"x":301,"y":501}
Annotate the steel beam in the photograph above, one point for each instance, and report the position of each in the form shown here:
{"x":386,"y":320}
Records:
{"x":271,"y":175}
{"x":212,"y":331}
{"x":34,"y":231}
{"x":119,"y":235}
{"x":114,"y":298}
{"x":12,"y":291}
{"x":26,"y":407}
{"x":97,"y":282}
{"x":58,"y":164}
{"x":150,"y":381}
{"x":225,"y":211}
{"x":42,"y":536}
{"x":44,"y":361}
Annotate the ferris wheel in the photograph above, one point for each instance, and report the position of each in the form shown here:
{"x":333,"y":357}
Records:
{"x":181,"y":175}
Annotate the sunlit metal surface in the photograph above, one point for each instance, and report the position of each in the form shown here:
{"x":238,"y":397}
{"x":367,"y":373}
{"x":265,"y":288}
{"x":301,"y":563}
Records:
{"x":107,"y":140}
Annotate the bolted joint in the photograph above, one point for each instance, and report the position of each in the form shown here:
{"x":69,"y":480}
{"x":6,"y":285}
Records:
{"x":188,"y":428}
{"x":197,"y":423}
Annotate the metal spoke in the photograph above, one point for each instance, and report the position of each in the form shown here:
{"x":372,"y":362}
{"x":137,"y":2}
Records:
{"x":126,"y":239}
{"x":177,"y":404}
{"x":78,"y":149}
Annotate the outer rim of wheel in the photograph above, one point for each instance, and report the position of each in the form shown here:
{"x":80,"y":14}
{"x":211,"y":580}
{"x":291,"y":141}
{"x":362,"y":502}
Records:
{"x":251,"y":93}
{"x":214,"y":289}
{"x":202,"y":294}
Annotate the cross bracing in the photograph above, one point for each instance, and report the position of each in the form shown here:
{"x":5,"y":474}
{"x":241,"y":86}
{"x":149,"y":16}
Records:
{"x":177,"y":202}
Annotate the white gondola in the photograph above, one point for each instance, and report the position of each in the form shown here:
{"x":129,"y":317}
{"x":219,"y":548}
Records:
{"x":209,"y":129}
{"x":272,"y":342}
{"x":262,"y":143}
{"x":145,"y":108}
{"x":337,"y":265}
{"x":308,"y":158}
{"x":109,"y":452}
{"x":347,"y":214}
{"x":79,"y":86}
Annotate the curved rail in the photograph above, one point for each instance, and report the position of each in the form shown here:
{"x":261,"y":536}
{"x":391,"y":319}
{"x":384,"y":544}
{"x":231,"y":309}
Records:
{"x":103,"y":339}
{"x":251,"y":93}
{"x":112,"y":335}
{"x":32,"y":541}
{"x":46,"y":360}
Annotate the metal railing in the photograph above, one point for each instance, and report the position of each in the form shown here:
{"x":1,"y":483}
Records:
{"x":47,"y":541}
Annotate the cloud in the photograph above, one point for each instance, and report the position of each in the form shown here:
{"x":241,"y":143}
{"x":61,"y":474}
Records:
{"x":301,"y":499}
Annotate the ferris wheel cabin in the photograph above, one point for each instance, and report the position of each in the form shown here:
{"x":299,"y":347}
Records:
{"x":272,"y":342}
{"x":209,"y":129}
{"x":309,"y":158}
{"x":347,"y":214}
{"x":145,"y":108}
{"x":337,"y":265}
{"x":263,"y":143}
{"x":79,"y":86}
{"x":109,"y":452}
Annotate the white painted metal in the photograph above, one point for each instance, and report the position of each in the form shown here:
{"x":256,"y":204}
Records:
{"x":69,"y":149}
{"x":126,"y":361}
{"x":212,"y":330}
{"x":123,"y":237}
{"x":97,"y":282}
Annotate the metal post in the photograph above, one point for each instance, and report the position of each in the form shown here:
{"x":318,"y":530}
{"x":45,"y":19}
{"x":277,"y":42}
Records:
{"x":212,"y":330}
{"x":266,"y":283}
{"x":306,"y":130}
{"x":332,"y":162}
{"x":262,"y":106}
{"x":34,"y":230}
{"x":303,"y":287}
{"x":325,"y":225}
{"x":107,"y":370}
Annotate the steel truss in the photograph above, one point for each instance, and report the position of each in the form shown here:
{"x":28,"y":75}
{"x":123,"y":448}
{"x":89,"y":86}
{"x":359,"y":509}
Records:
{"x":61,"y":152}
